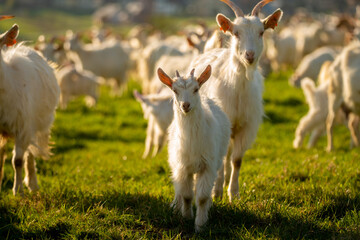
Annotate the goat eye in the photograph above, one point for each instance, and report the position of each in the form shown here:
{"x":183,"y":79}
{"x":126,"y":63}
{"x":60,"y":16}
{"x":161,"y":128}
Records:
{"x":196,"y":90}
{"x":261,"y":33}
{"x":237,"y":34}
{"x":176,"y":92}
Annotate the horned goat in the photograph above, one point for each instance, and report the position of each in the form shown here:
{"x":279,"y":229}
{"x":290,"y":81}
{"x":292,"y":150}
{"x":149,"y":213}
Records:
{"x":198,"y":140}
{"x":236,"y":81}
{"x":28,"y":100}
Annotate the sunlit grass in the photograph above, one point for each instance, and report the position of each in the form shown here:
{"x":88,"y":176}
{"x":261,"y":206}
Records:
{"x":97,"y":186}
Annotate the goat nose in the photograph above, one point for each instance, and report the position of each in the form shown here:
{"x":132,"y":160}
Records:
{"x":186,"y":106}
{"x":249,"y":55}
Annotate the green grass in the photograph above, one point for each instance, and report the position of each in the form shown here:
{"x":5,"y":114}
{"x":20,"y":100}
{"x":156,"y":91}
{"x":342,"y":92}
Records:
{"x":96,"y":186}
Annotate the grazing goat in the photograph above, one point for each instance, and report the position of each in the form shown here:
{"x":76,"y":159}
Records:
{"x":75,"y":83}
{"x":198,"y":140}
{"x":344,"y":89}
{"x":109,"y":61}
{"x":236,"y":81}
{"x":29,"y":96}
{"x":310,"y":65}
{"x":158,"y":110}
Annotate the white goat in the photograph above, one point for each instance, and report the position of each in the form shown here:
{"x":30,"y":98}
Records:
{"x":315,"y":120}
{"x":109,"y":61}
{"x":310,"y":65}
{"x":52,"y":51}
{"x":281,"y":49}
{"x":344,"y":89}
{"x":198,"y":140}
{"x":75,"y":83}
{"x":147,"y":62}
{"x":158,"y":110}
{"x":236,"y":81}
{"x":217,"y":40}
{"x":308,"y":38}
{"x":28,"y":100}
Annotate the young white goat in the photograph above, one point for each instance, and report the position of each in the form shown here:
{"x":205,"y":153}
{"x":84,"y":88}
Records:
{"x":28,"y":100}
{"x":198,"y":140}
{"x":236,"y":81}
{"x":75,"y":83}
{"x":314,"y":120}
{"x":158,"y":110}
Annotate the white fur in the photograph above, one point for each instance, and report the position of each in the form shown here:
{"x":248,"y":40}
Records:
{"x":109,"y":61}
{"x":75,"y":83}
{"x":344,"y":88}
{"x":281,"y":49}
{"x":314,"y":120}
{"x":198,"y":141}
{"x":310,"y":65}
{"x":158,"y":110}
{"x":308,"y":38}
{"x":28,"y":98}
{"x":148,"y":60}
{"x":217,"y":40}
{"x":238,"y":86}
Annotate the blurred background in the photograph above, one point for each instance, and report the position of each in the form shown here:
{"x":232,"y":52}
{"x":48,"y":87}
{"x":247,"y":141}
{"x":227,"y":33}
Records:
{"x":54,"y":16}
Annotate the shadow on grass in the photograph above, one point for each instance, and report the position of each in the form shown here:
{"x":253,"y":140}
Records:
{"x":152,"y":217}
{"x":288,"y":102}
{"x":339,"y":207}
{"x":275,"y":118}
{"x":64,"y":147}
{"x":93,"y":134}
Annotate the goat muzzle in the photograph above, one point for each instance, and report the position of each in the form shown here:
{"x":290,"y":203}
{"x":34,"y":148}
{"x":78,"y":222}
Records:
{"x":186,"y":107}
{"x":250,"y":56}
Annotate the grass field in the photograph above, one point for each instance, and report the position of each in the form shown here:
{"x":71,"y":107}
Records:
{"x":97,"y":186}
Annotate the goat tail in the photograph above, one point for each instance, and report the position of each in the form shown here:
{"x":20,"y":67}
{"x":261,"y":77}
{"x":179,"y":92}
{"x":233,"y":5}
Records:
{"x":308,"y":87}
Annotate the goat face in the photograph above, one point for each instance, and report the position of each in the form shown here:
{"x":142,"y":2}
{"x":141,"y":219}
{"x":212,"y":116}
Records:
{"x":186,"y":89}
{"x":247,"y":31}
{"x":247,"y":40}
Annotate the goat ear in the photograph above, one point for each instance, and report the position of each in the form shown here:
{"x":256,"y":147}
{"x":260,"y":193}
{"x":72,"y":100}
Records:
{"x":164,"y":78}
{"x":9,"y":38}
{"x":224,"y":23}
{"x":204,"y":76}
{"x":272,"y":20}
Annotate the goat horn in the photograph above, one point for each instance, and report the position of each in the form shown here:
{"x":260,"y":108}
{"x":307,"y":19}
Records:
{"x":259,"y":6}
{"x":3,"y":17}
{"x":238,"y":12}
{"x":177,"y":74}
{"x":192,"y":72}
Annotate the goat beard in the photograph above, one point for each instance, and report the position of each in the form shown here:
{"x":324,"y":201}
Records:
{"x":249,"y":71}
